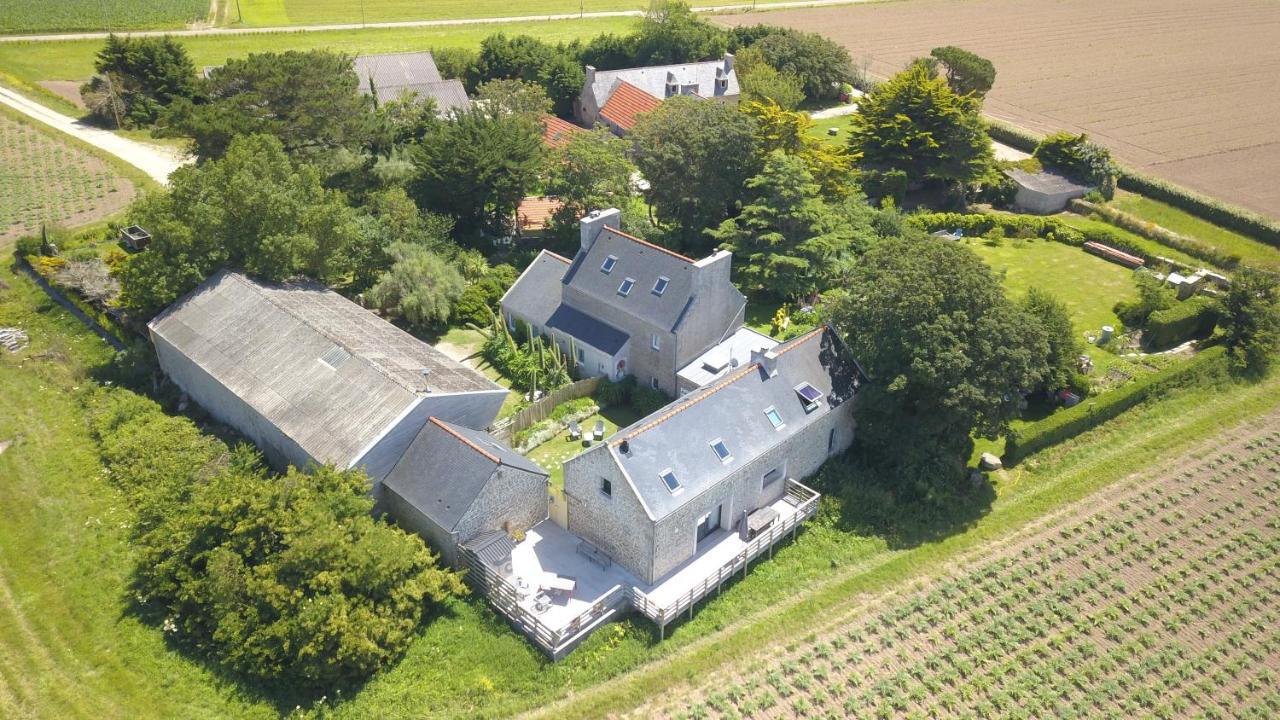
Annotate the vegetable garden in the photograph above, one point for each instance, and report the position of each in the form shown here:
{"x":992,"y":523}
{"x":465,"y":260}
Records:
{"x":1155,"y":599}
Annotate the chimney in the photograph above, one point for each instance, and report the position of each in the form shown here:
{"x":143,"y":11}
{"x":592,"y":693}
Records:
{"x":768,"y":360}
{"x":713,"y":270}
{"x":591,"y":75}
{"x":728,"y":63}
{"x":595,"y":221}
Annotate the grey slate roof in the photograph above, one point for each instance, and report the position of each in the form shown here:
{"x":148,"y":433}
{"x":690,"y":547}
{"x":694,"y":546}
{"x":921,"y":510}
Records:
{"x":536,"y":293}
{"x":445,"y":468}
{"x":694,"y":78}
{"x":581,"y":326}
{"x":679,"y":435}
{"x":1050,"y":183}
{"x":329,"y":374}
{"x":389,"y":76}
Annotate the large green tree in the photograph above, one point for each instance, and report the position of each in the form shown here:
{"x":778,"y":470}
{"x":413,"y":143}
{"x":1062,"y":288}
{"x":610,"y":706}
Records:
{"x":589,"y":172}
{"x":967,"y":72}
{"x":788,"y":241}
{"x":1064,"y":346}
{"x":822,"y":66}
{"x":949,"y":355}
{"x":917,"y":125}
{"x":255,"y":209}
{"x":672,"y":33}
{"x":522,"y":57}
{"x":137,"y":78}
{"x":1251,"y":320}
{"x":696,"y":156}
{"x":309,"y":100}
{"x":420,"y":285}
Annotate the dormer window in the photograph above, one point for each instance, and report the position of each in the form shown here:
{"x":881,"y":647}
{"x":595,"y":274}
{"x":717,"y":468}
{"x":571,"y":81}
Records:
{"x":660,"y":286}
{"x":809,"y":396}
{"x":722,"y":451}
{"x":669,"y":479}
{"x":607,"y":266}
{"x":625,"y":288}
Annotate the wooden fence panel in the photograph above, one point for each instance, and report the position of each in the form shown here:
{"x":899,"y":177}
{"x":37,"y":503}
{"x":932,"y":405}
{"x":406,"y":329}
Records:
{"x":541,"y":410}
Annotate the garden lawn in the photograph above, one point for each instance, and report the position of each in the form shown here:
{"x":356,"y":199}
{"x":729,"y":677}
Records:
{"x":820,"y":128}
{"x":551,"y":454}
{"x":1148,"y":245}
{"x":1251,"y":252}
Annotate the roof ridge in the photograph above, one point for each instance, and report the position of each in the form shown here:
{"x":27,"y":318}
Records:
{"x":720,"y":61}
{"x":726,"y":382}
{"x":646,"y":243}
{"x":798,"y":341}
{"x":558,"y":256}
{"x":465,"y":440}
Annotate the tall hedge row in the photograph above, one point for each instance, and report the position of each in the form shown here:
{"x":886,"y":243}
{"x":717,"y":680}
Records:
{"x":1190,"y":246}
{"x":1026,"y":226}
{"x":1066,"y":424}
{"x":1192,"y":318}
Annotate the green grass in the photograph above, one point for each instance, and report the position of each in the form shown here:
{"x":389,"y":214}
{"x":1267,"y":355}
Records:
{"x":820,"y":128}
{"x":68,"y":15}
{"x":1251,"y":252}
{"x":551,"y":454}
{"x":1147,"y":245}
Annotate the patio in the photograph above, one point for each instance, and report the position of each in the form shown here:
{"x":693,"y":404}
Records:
{"x":549,"y":550}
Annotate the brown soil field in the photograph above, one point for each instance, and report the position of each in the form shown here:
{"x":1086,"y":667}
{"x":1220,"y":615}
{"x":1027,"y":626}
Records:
{"x":1155,"y":597}
{"x":1184,"y":89}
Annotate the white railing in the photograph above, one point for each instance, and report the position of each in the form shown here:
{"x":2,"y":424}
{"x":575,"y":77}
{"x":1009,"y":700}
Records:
{"x":805,"y":500}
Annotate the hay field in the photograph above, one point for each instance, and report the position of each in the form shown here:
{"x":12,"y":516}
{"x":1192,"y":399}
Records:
{"x":1184,"y":89}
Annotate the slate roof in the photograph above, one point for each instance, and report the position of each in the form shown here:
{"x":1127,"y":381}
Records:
{"x":556,"y":132}
{"x":445,"y":468}
{"x":584,"y":328}
{"x":693,"y":78}
{"x":678,"y":436}
{"x":536,"y":293}
{"x":1049,"y":183}
{"x":395,"y":74}
{"x":329,"y":374}
{"x":627,"y":102}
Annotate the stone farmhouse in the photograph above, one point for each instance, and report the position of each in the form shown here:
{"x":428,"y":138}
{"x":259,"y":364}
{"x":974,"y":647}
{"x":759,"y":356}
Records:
{"x":310,"y":377}
{"x":615,"y":97}
{"x":395,"y":75}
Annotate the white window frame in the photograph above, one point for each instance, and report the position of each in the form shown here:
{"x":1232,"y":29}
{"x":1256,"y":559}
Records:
{"x":809,"y":406}
{"x":773,"y":409}
{"x":624,"y":289}
{"x":655,"y":342}
{"x":609,"y":264}
{"x":728,"y":454}
{"x":664,"y":281}
{"x":653,"y":382}
{"x":673,"y":490}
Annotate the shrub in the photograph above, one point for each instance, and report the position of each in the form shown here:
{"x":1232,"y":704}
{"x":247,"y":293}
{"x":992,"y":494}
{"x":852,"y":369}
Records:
{"x":609,"y":394}
{"x":1066,"y":424}
{"x":28,"y":246}
{"x":1076,"y":156}
{"x":1189,"y":319}
{"x":1025,"y":226}
{"x":647,"y":400}
{"x":1190,"y":246}
{"x":565,"y":409}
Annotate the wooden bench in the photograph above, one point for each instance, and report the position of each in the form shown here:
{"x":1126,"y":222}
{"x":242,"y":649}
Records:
{"x":594,"y":554}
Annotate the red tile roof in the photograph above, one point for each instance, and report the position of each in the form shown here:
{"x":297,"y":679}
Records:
{"x":534,"y":212}
{"x":556,"y":132}
{"x":626,"y":103}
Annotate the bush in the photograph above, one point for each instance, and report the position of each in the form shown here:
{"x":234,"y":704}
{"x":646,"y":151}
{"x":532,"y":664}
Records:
{"x":647,"y":400}
{"x":27,"y":246}
{"x":1066,"y":424}
{"x":609,"y":394}
{"x":1025,"y":226}
{"x":1190,"y":246}
{"x":1076,"y":156}
{"x":1193,"y":318}
{"x":570,"y":407}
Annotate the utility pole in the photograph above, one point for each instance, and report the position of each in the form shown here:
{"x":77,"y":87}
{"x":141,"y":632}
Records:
{"x":363,"y":22}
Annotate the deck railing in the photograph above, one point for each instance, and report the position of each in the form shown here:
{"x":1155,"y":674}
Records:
{"x":504,"y":597}
{"x":802,"y":497}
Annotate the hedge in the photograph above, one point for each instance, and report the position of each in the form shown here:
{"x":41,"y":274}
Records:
{"x":1066,"y":424}
{"x":1151,"y":231}
{"x":1026,"y":226}
{"x":1189,"y":319}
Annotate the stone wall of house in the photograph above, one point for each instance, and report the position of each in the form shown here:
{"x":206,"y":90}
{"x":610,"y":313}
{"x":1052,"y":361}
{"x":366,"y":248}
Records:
{"x":513,"y":500}
{"x":615,"y":523}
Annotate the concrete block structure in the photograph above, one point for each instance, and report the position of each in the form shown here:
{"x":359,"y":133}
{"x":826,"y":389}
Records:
{"x":1044,"y":193}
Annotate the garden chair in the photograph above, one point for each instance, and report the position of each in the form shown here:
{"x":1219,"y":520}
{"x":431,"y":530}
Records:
{"x":574,"y":431}
{"x":599,"y":433}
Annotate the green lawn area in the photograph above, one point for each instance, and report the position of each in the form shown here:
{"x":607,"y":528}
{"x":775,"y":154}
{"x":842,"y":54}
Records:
{"x":552,"y":453}
{"x":820,"y":128}
{"x":1148,"y":245}
{"x":1251,"y":252}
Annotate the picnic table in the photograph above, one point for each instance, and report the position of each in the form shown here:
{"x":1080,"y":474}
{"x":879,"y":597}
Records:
{"x":761,"y":519}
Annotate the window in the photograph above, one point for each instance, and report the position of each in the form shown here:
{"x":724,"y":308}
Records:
{"x":625,"y":288}
{"x":772,"y":477}
{"x":653,"y":383}
{"x":606,"y":487}
{"x":809,"y":396}
{"x":775,"y":418}
{"x":721,"y":450}
{"x":669,"y":478}
{"x":335,"y":357}
{"x":607,"y":266}
{"x":660,"y":286}
{"x":655,"y":342}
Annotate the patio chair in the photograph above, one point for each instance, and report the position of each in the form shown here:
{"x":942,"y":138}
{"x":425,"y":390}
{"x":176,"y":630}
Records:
{"x":574,"y":431}
{"x":599,"y":432}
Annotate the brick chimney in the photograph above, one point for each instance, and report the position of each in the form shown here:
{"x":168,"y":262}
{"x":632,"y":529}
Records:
{"x":595,"y":221}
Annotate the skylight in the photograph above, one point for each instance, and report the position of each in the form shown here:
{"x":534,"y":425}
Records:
{"x":809,"y":395}
{"x":669,"y":478}
{"x":660,"y":286}
{"x":775,"y":418}
{"x":609,"y":262}
{"x":625,"y":288}
{"x":335,"y":356}
{"x":721,"y":450}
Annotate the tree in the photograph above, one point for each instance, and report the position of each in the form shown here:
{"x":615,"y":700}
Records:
{"x":420,"y":286}
{"x":1251,"y":320}
{"x":779,"y":129}
{"x":1153,"y":295}
{"x":948,"y":354}
{"x":763,"y":83}
{"x":308,"y":100}
{"x":254,"y":209}
{"x":787,"y":241}
{"x":589,"y":172}
{"x":696,"y":156}
{"x":513,"y":97}
{"x":137,"y":78}
{"x":609,"y":52}
{"x":672,"y":33}
{"x":1064,"y":347}
{"x":967,"y":72}
{"x":821,"y":65}
{"x":1076,"y":156}
{"x":477,"y":168}
{"x":917,"y":125}
{"x":290,"y":579}
{"x":555,"y":68}
{"x":479,"y":302}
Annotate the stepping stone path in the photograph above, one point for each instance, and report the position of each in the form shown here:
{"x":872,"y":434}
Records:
{"x":13,"y":339}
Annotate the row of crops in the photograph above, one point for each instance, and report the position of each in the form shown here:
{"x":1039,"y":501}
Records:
{"x":43,"y":180}
{"x":1163,"y":605}
{"x":27,"y":16}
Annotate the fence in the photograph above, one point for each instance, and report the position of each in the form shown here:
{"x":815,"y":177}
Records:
{"x":506,"y":428}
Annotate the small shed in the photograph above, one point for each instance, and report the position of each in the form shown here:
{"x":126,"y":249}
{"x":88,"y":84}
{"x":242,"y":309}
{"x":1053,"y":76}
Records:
{"x":134,"y":237}
{"x":1044,"y":193}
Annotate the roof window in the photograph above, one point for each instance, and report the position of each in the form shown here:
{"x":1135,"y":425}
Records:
{"x":669,"y":478}
{"x":775,"y":418}
{"x":335,"y":357}
{"x":660,"y":286}
{"x":607,"y":266}
{"x":721,"y":450}
{"x":625,"y":288}
{"x":809,"y":395}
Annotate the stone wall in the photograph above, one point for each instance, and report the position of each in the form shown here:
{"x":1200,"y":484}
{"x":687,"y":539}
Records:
{"x":513,"y":500}
{"x":617,"y":523}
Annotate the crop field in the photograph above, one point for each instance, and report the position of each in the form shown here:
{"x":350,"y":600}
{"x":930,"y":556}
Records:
{"x":1179,"y":88}
{"x":1156,"y":598}
{"x":46,"y":180}
{"x":30,"y":17}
